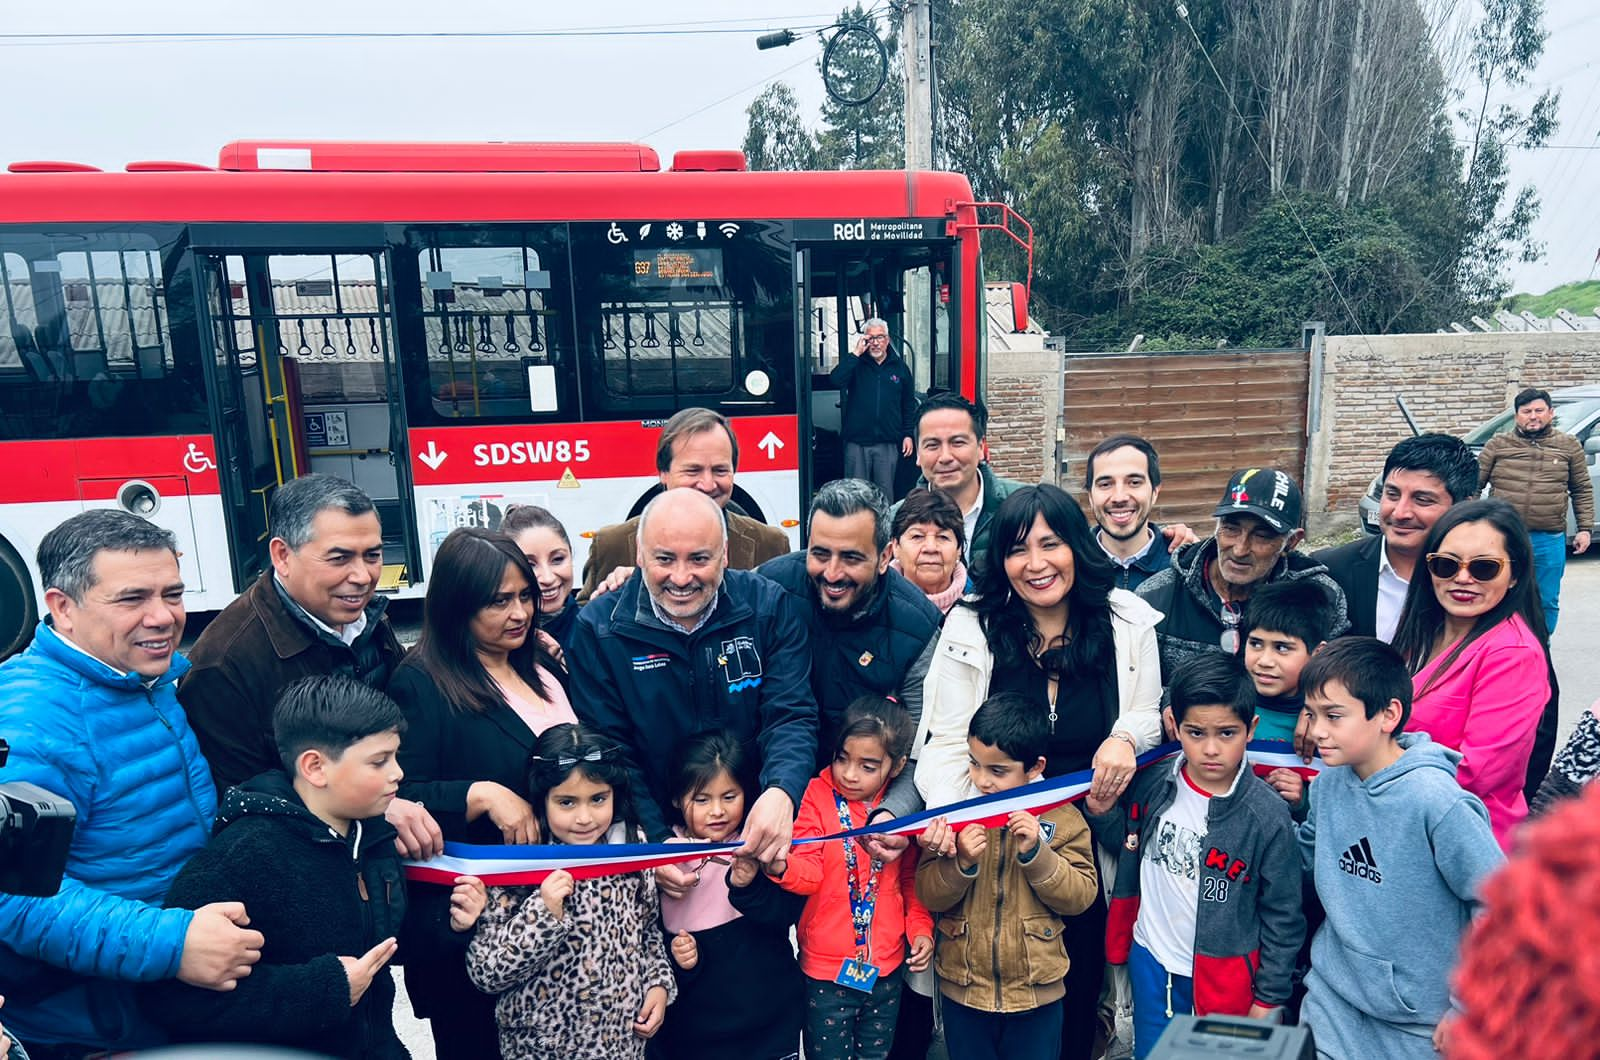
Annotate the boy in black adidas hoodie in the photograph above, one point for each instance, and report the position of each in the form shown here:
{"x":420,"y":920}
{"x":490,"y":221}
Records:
{"x":311,"y":858}
{"x":1206,"y":908}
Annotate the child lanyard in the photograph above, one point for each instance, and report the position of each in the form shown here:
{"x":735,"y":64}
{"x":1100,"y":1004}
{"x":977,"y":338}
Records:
{"x":858,"y":973}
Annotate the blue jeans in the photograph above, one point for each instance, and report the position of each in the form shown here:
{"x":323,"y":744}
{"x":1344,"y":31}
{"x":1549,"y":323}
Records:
{"x":1549,"y":564}
{"x":1157,"y":997}
{"x":978,"y":1035}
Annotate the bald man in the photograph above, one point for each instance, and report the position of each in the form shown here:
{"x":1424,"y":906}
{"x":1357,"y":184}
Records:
{"x":686,"y":646}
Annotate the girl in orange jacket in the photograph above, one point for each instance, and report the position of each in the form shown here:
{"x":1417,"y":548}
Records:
{"x":860,"y":913}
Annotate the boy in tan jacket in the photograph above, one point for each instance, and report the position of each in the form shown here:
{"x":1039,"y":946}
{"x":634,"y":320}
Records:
{"x":999,"y":955}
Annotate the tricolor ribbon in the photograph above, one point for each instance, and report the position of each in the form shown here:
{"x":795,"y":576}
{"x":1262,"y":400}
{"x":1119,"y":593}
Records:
{"x":529,"y":864}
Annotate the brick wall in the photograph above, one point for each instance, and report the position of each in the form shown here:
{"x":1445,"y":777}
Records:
{"x":1024,"y":403}
{"x":1451,"y":383}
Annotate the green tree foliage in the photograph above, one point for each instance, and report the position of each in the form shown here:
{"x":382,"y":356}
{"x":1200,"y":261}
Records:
{"x":1238,"y":292}
{"x":868,"y":135}
{"x":1161,"y":154}
{"x":776,"y":136}
{"x":1505,"y":48}
{"x":1223,"y":170}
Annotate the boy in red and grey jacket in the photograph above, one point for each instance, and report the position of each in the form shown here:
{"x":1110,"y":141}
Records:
{"x":1206,"y":909}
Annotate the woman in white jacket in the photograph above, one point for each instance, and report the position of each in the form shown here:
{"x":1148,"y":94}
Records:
{"x":1046,"y":622}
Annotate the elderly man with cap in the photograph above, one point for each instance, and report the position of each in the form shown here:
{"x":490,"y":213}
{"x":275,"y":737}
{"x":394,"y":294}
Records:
{"x":1202,"y":595}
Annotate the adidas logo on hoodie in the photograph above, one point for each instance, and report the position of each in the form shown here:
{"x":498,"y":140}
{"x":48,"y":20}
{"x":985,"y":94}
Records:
{"x":1358,"y":861}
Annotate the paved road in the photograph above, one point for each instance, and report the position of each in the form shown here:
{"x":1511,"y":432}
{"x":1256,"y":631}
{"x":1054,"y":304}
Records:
{"x":1576,"y":645}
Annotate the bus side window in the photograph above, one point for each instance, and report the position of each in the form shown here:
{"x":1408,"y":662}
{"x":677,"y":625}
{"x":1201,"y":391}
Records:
{"x":495,"y":322}
{"x":86,"y":346}
{"x":678,"y":314}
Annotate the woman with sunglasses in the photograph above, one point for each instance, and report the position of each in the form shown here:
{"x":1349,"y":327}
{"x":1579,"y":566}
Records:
{"x":1473,"y":632}
{"x":477,"y":690}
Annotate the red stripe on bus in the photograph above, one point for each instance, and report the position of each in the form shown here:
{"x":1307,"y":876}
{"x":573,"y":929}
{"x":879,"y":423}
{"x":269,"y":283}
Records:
{"x":445,"y":456}
{"x":417,"y":198}
{"x":94,"y":469}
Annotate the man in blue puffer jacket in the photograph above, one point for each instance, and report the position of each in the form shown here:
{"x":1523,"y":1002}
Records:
{"x":91,"y":713}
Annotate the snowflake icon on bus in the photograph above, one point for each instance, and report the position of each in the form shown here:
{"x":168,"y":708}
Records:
{"x":674,"y":231}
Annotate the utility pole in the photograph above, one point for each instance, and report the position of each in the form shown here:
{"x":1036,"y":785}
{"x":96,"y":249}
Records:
{"x":916,"y":45}
{"x":919,"y":326}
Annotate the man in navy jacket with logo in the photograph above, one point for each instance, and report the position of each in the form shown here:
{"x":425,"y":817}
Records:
{"x":687,"y":646}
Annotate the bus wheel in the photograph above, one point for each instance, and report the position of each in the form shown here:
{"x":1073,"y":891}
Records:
{"x":18,"y":615}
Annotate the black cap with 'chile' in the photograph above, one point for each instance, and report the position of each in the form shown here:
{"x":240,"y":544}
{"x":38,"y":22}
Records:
{"x":1269,"y":495}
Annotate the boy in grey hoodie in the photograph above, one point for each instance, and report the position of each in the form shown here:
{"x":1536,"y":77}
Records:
{"x":1397,"y":851}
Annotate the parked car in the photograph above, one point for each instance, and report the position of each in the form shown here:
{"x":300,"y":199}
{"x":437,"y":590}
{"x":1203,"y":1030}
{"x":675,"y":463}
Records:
{"x":1577,"y":410}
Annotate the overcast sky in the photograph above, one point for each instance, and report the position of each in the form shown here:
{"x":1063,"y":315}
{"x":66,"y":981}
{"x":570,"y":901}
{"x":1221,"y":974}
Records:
{"x":110,"y":103}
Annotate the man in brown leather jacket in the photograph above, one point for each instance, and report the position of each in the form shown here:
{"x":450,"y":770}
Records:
{"x":315,"y":610}
{"x":697,"y":449}
{"x":1536,"y":468}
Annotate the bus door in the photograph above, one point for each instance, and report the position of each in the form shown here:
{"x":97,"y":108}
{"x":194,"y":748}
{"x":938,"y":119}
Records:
{"x":848,"y":282}
{"x":304,"y":346}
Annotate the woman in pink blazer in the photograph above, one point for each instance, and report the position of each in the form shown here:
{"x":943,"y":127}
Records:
{"x":1474,"y":634}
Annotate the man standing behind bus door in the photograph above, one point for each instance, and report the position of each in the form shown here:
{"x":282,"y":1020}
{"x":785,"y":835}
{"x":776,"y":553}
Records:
{"x":878,"y":402}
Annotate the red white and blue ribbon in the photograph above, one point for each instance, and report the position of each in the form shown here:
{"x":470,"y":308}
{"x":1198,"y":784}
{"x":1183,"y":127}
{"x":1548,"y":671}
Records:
{"x":528,"y":865}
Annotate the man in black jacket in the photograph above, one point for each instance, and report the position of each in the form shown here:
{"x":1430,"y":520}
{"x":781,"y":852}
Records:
{"x":872,"y":631}
{"x":878,"y":402}
{"x":687,"y":646}
{"x":1202,"y":595}
{"x":1422,"y":478}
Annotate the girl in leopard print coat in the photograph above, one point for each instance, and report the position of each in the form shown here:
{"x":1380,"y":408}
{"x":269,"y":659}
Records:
{"x":580,"y":966}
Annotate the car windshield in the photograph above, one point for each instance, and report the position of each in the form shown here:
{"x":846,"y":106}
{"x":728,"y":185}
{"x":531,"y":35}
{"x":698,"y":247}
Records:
{"x":1571,"y":415}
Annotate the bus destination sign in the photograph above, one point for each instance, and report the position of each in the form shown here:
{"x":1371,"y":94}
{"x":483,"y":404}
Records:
{"x":678,"y":267}
{"x":872,"y":230}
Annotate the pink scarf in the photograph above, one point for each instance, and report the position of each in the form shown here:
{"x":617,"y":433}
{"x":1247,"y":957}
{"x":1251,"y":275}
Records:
{"x":945,"y":600}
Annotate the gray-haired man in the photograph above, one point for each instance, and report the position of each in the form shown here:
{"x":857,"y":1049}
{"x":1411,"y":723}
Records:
{"x":878,"y":403}
{"x":313,"y":612}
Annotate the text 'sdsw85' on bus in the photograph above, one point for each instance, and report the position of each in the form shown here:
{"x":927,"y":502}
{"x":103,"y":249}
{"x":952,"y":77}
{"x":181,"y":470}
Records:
{"x":454,"y":327}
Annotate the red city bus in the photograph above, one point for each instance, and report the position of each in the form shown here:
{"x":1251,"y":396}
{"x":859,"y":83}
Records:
{"x":454,"y":327}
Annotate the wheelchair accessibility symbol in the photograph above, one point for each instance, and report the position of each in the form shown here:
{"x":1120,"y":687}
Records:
{"x":195,"y":461}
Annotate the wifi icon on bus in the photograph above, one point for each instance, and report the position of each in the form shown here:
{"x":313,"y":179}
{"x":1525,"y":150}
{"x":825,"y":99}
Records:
{"x":728,"y":229}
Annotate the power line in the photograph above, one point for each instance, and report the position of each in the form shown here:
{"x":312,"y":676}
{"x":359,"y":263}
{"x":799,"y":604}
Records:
{"x":712,"y":27}
{"x":731,"y":95}
{"x":1514,"y":146}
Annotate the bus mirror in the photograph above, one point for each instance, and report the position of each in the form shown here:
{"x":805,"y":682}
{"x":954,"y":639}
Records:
{"x":1019,"y":307}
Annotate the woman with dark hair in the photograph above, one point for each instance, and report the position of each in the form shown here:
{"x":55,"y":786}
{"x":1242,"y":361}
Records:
{"x":1047,"y":624}
{"x":929,"y":535}
{"x":477,"y":690}
{"x":544,"y":541}
{"x":1473,"y":633}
